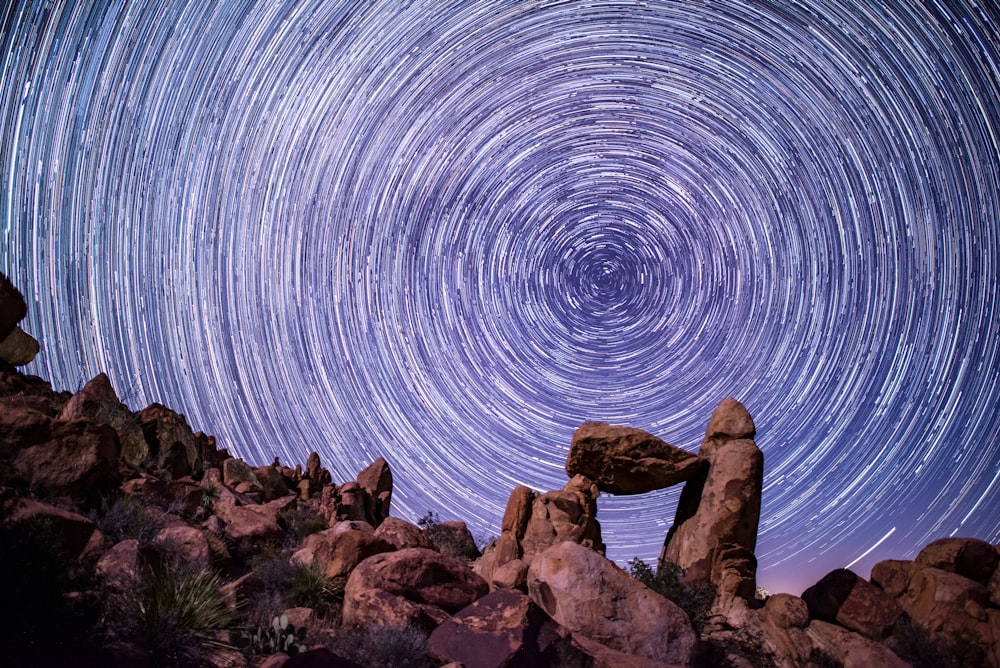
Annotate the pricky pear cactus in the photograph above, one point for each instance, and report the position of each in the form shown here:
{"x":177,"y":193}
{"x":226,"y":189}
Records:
{"x":280,"y":636}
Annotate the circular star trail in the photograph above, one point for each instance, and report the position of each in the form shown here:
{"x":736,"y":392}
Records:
{"x":448,"y":233}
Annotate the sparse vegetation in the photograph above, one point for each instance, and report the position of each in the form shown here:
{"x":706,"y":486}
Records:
{"x":176,"y":614}
{"x":448,"y":540}
{"x":278,"y":636}
{"x":300,"y":522}
{"x":695,"y":599}
{"x":383,"y":646}
{"x":126,"y":517}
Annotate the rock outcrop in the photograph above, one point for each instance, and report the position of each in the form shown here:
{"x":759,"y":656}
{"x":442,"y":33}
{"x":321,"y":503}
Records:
{"x":533,"y":522}
{"x":623,"y":460}
{"x":715,"y":528}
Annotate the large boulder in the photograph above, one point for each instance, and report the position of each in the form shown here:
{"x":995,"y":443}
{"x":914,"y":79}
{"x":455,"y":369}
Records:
{"x":624,"y":460}
{"x":504,"y":629}
{"x":18,"y":348}
{"x":173,"y":446}
{"x":851,"y":650}
{"x":402,"y":534}
{"x":423,"y":578}
{"x":854,"y":603}
{"x":592,"y":597}
{"x":76,"y":458}
{"x":719,"y":509}
{"x":968,"y":557}
{"x":98,"y":402}
{"x":71,"y":531}
{"x":892,"y":575}
{"x":376,"y":482}
{"x":336,"y":553}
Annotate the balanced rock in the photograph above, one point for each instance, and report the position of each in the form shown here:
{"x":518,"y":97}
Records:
{"x":376,"y":481}
{"x":623,"y":460}
{"x":719,"y":508}
{"x":854,"y":603}
{"x":592,"y":597}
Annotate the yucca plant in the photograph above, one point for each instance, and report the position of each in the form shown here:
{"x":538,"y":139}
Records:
{"x":176,"y":614}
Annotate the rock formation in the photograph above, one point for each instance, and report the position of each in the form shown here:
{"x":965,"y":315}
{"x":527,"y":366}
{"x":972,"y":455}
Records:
{"x":715,"y":528}
{"x":17,"y":347}
{"x":623,"y":460}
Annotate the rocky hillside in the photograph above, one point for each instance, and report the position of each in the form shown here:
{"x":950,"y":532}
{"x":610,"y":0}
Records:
{"x":129,"y":539}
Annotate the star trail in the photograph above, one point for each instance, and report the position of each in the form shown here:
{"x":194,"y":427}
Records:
{"x":448,"y":233}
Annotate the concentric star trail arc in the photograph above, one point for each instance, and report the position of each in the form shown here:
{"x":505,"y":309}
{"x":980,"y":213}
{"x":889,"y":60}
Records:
{"x":448,"y":233}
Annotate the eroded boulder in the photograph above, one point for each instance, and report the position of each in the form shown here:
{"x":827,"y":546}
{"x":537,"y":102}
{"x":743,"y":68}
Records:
{"x":624,"y":460}
{"x":854,"y":603}
{"x":592,"y":597}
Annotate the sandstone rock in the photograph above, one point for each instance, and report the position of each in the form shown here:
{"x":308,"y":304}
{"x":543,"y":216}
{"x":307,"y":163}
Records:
{"x":504,"y":629}
{"x":590,"y":596}
{"x":171,"y":442}
{"x":71,"y":532}
{"x":602,"y":656}
{"x":350,"y":503}
{"x":787,"y":611}
{"x":236,"y":472}
{"x":272,"y":482}
{"x":376,"y":607}
{"x":518,"y":511}
{"x":968,"y":557}
{"x":376,"y":481}
{"x":564,"y":515}
{"x":730,"y":420}
{"x":13,"y":308}
{"x":512,"y":575}
{"x":242,"y":523}
{"x":338,"y":553}
{"x":98,"y":402}
{"x":892,"y":575}
{"x":453,"y":538}
{"x":186,"y":543}
{"x":19,"y":348}
{"x":854,"y":603}
{"x":852,"y":650}
{"x":300,"y":617}
{"x":623,"y":460}
{"x":124,"y":564}
{"x":402,"y":534}
{"x":422,"y":577}
{"x":942,"y":601}
{"x":79,"y":459}
{"x":719,"y":509}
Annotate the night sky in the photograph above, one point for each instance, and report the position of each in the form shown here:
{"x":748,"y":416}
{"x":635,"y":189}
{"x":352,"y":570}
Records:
{"x":448,"y":233}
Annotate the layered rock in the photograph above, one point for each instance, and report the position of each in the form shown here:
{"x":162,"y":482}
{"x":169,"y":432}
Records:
{"x":624,"y":460}
{"x":715,"y":528}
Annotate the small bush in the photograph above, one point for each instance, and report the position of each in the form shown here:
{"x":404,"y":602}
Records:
{"x":448,"y":540}
{"x":311,"y":589}
{"x":383,"y":647}
{"x":299,"y":523}
{"x":175,"y":614}
{"x":695,"y":599}
{"x":126,"y":517}
{"x":940,"y":650}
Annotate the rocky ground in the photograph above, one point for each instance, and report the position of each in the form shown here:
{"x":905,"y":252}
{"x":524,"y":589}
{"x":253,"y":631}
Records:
{"x":128,"y":539}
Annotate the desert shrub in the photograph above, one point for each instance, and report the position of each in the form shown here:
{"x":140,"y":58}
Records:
{"x":447,"y":540}
{"x":310,"y":588}
{"x":126,"y":517}
{"x":300,"y":522}
{"x":695,"y":599}
{"x":383,"y":646}
{"x":175,"y":613}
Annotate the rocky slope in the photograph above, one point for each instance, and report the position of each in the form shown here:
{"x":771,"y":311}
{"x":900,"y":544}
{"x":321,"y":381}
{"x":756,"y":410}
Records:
{"x":129,"y":539}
